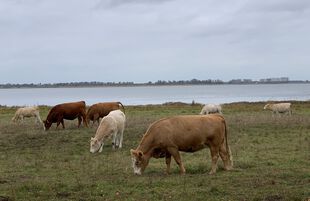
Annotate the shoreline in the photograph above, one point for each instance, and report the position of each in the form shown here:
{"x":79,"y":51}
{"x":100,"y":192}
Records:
{"x":179,"y":104}
{"x":36,"y":86}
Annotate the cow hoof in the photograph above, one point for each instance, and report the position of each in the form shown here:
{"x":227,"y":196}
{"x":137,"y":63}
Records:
{"x":211,"y":172}
{"x":182,"y":173}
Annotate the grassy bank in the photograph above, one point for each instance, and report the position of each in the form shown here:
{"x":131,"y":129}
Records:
{"x":271,"y":159}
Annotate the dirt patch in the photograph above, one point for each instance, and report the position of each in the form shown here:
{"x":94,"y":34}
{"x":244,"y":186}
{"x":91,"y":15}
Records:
{"x":5,"y":198}
{"x":63,"y":194}
{"x":274,"y":198}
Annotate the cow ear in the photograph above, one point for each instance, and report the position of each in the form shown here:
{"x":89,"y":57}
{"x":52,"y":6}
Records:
{"x":140,"y":153}
{"x":136,"y":153}
{"x":133,"y":152}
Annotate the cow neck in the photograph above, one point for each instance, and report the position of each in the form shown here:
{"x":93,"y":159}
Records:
{"x":102,"y":135}
{"x":146,"y":145}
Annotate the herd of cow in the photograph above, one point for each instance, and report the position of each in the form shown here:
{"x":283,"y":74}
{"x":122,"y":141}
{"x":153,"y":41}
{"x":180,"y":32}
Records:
{"x":163,"y":138}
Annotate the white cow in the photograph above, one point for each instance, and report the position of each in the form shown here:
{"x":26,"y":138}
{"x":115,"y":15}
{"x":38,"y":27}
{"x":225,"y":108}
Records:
{"x":211,"y":108}
{"x":279,"y":108}
{"x":27,"y":112}
{"x":111,"y":125}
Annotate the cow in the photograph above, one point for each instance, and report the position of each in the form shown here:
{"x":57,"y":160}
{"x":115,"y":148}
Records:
{"x":69,"y":111}
{"x":211,"y":108}
{"x":187,"y":133}
{"x":111,"y":125}
{"x":99,"y":110}
{"x":279,"y":108}
{"x":27,"y":112}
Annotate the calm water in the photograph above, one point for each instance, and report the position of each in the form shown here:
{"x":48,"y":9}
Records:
{"x":156,"y":95}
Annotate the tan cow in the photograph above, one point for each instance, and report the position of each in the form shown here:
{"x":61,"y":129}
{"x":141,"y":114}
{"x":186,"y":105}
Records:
{"x":111,"y":125}
{"x":99,"y":110}
{"x":188,"y":133}
{"x":27,"y":112}
{"x":279,"y":108}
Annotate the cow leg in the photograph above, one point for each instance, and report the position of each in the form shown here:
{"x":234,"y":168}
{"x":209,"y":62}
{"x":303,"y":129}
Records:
{"x":84,"y":119}
{"x":58,"y":122}
{"x":225,"y":156}
{"x":114,"y":140}
{"x":215,"y":156}
{"x":121,"y":138}
{"x":96,"y":118}
{"x":117,"y":140}
{"x":62,"y":123}
{"x":176,"y":155}
{"x":100,"y":150}
{"x":168,"y":162}
{"x":35,"y":119}
{"x":79,"y":121}
{"x":39,"y":118}
{"x":18,"y":119}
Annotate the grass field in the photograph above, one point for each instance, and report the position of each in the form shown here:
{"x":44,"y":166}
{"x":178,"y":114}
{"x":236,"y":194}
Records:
{"x":271,"y":159}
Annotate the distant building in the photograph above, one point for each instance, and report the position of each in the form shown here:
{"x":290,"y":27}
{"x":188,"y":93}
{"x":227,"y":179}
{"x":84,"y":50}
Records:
{"x":275,"y":80}
{"x":241,"y":81}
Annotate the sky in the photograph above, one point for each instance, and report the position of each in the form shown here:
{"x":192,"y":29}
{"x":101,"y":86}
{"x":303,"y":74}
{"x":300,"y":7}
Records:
{"x":50,"y":41}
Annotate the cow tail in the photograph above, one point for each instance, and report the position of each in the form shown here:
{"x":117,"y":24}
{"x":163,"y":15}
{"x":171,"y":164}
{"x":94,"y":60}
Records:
{"x":121,"y":105}
{"x":227,"y":146}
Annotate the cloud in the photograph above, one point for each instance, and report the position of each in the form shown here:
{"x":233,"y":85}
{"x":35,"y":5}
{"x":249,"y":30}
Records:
{"x":152,"y":39}
{"x":116,"y":3}
{"x":275,"y":6}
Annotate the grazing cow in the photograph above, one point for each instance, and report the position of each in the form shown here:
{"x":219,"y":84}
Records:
{"x":67,"y":111}
{"x":111,"y":125}
{"x":27,"y":112}
{"x":99,"y":110}
{"x":279,"y":108}
{"x":211,"y":108}
{"x":188,"y":133}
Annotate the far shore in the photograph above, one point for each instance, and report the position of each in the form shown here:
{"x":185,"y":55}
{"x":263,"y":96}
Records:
{"x":104,"y":85}
{"x":179,"y":104}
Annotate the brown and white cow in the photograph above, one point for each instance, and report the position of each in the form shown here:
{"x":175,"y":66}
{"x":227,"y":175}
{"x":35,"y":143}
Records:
{"x":69,"y":111}
{"x":187,"y":133}
{"x":99,"y":110}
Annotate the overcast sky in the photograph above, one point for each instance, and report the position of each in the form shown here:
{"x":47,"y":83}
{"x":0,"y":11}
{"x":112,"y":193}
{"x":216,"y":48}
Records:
{"x":48,"y":41}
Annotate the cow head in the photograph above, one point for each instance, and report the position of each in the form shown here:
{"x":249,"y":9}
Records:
{"x":47,"y":124}
{"x":13,"y":119}
{"x":139,"y":161}
{"x":95,"y":145}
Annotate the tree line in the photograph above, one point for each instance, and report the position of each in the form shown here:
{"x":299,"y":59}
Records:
{"x":157,"y":83}
{"x":103,"y":84}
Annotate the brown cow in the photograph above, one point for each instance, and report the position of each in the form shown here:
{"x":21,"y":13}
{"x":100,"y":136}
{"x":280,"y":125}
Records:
{"x":188,"y":133}
{"x":68,"y":111}
{"x":99,"y":110}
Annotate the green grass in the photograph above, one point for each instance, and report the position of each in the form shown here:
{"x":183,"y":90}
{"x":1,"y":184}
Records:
{"x":271,"y":159}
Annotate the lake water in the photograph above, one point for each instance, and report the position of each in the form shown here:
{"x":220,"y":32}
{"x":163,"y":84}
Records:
{"x":156,"y":94}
